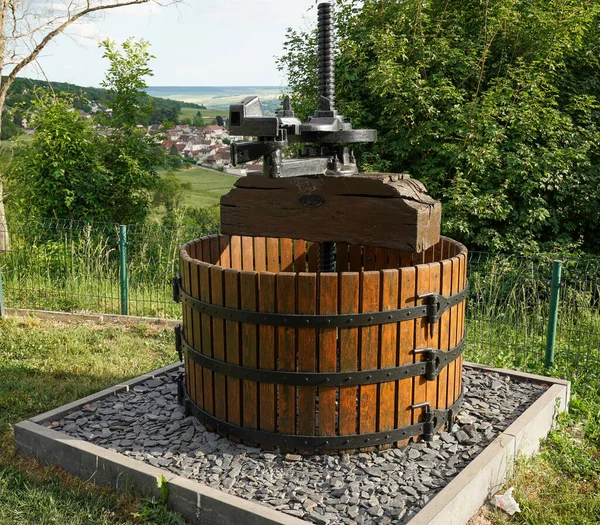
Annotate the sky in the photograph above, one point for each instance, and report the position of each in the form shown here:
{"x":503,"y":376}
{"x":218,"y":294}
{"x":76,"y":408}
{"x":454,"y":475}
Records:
{"x":196,"y":43}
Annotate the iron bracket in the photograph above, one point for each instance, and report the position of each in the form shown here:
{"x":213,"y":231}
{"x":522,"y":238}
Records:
{"x":176,"y":287}
{"x":178,"y":341}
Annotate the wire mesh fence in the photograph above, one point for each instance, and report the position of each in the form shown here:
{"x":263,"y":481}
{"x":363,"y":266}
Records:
{"x":75,"y":267}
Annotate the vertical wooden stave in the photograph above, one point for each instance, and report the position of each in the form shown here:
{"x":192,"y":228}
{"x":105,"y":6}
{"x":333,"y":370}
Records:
{"x":328,"y":304}
{"x":188,"y":327}
{"x":444,"y":332}
{"x":232,"y":330}
{"x":286,"y":255}
{"x":370,"y":258}
{"x":388,"y":351}
{"x":406,"y":345}
{"x":260,"y":254}
{"x":286,"y":352}
{"x":368,"y":351}
{"x":355,"y":254}
{"x":349,"y":283}
{"x":435,"y":286}
{"x":267,"y":282}
{"x":463,"y":314}
{"x":341,"y":257}
{"x":272,"y":255}
{"x":206,"y":338}
{"x":247,"y":254}
{"x":249,"y":332}
{"x":422,"y":338}
{"x":307,"y":353}
{"x":453,"y":369}
{"x":225,"y":249}
{"x":218,"y":332}
{"x":299,"y":247}
{"x":235,"y":252}
{"x":313,"y":256}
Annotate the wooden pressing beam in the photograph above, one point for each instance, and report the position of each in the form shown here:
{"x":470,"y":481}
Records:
{"x":370,"y":209}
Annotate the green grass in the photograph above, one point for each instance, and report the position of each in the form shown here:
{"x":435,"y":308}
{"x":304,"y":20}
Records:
{"x":45,"y":364}
{"x":207,"y":186}
{"x":191,"y":112}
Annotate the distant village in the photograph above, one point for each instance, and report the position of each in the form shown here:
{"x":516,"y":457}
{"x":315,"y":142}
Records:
{"x":207,"y":146}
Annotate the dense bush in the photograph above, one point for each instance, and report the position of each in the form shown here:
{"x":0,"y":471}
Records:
{"x":494,"y":105}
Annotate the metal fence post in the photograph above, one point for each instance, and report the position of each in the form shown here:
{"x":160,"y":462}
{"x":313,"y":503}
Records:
{"x":1,"y":298}
{"x":553,"y":314}
{"x":123,"y":253}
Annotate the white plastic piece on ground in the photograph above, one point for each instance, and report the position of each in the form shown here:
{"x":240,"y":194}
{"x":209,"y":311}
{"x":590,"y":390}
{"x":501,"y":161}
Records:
{"x":506,"y":502}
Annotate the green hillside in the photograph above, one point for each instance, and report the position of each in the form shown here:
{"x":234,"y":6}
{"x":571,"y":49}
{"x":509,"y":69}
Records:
{"x":23,"y":91}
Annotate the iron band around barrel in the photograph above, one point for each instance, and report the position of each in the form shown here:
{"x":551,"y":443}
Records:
{"x":433,"y":420}
{"x":434,"y":307}
{"x":435,"y":361}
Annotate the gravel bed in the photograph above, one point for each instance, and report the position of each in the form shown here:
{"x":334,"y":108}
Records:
{"x":381,"y":487}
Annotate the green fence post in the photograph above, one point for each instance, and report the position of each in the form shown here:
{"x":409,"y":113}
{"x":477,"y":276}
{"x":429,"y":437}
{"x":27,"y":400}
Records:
{"x":123,"y":253}
{"x":553,"y":314}
{"x":1,"y":298}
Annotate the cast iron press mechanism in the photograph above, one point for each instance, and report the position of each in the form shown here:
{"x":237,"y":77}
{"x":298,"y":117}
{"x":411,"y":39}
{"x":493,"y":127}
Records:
{"x":327,"y":133}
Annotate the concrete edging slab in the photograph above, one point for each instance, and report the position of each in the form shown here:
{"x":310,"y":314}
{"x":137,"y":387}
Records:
{"x":453,"y":505}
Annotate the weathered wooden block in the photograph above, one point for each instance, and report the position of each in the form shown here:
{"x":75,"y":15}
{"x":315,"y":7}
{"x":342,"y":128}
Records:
{"x":370,"y":209}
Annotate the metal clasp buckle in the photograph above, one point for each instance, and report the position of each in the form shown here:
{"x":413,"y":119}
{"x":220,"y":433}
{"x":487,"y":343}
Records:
{"x":178,"y":342}
{"x":176,"y":287}
{"x":429,"y":420}
{"x":432,"y":362}
{"x":434,"y":309}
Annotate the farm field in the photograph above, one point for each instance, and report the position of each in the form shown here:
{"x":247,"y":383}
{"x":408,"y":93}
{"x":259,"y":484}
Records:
{"x":217,"y":97}
{"x":207,"y":185}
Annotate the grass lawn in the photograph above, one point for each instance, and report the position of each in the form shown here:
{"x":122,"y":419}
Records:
{"x":208,"y":114}
{"x":561,"y":485}
{"x":207,"y":185}
{"x":45,"y":364}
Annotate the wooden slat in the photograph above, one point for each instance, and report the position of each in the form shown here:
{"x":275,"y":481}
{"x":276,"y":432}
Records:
{"x":286,"y":255}
{"x":260,"y":254}
{"x":215,"y":249}
{"x":328,"y":304}
{"x":267,"y":391}
{"x":206,"y":347}
{"x":381,"y":258}
{"x":232,"y":331}
{"x":369,"y":340}
{"x":444,"y":333}
{"x":272,"y":255}
{"x":299,"y":255}
{"x":235,"y":250}
{"x":388,"y":348}
{"x":218,"y":333}
{"x":454,"y":323}
{"x":429,"y":255}
{"x":286,"y":354}
{"x":421,"y":340}
{"x":370,"y":258}
{"x":307,"y":352}
{"x":355,"y":253}
{"x":188,"y":331}
{"x":463,"y":320}
{"x":247,"y":254}
{"x":349,"y":302}
{"x":394,"y":259}
{"x":341,"y":257}
{"x":406,"y":340}
{"x":225,"y":247}
{"x":435,"y":285}
{"x":313,"y":257}
{"x":204,"y":249}
{"x":248,"y":300}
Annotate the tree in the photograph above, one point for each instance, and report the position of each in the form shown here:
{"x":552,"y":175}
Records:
{"x":71,"y":169}
{"x":199,"y":120}
{"x":494,"y":105}
{"x":26,"y":28}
